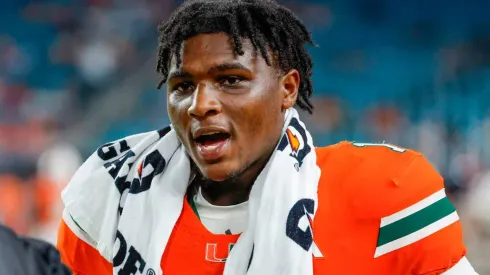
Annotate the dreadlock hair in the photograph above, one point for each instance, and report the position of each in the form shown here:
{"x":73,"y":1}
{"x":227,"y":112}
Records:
{"x":268,"y":25}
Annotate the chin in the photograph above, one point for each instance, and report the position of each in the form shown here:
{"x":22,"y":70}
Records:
{"x":217,"y":172}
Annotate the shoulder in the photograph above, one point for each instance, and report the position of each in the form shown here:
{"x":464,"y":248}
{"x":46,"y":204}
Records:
{"x":378,"y":180}
{"x":110,"y":157}
{"x":368,"y":153}
{"x":396,"y":197}
{"x":110,"y":170}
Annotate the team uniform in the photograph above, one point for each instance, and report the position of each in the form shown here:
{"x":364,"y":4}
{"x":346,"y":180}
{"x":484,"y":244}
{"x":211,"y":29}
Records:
{"x":381,"y":210}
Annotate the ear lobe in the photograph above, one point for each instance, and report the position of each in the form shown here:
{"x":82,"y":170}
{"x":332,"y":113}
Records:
{"x":290,"y":86}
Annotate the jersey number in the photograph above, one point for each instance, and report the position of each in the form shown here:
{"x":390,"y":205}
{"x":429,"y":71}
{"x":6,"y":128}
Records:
{"x":392,"y":147}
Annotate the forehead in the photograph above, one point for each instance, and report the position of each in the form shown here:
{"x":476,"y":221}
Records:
{"x":208,"y":50}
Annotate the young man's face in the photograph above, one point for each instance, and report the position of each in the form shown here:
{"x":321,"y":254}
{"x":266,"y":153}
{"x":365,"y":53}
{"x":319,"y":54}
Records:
{"x":227,"y":109}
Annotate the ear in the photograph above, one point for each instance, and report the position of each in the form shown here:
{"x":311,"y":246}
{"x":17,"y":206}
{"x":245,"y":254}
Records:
{"x":290,"y":85}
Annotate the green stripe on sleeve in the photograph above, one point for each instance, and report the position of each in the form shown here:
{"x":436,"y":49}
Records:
{"x":415,"y":221}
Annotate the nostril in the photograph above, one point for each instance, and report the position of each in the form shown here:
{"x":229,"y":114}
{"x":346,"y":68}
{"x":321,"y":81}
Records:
{"x":211,"y":113}
{"x":204,"y":111}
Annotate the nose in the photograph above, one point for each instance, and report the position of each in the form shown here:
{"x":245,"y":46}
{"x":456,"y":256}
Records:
{"x":205,"y":102}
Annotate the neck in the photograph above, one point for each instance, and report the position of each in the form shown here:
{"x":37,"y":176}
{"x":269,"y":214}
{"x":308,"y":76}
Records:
{"x":234,"y":190}
{"x":222,"y":194}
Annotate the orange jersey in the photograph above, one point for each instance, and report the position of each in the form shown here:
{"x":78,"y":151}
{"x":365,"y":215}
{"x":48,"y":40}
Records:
{"x":381,"y":210}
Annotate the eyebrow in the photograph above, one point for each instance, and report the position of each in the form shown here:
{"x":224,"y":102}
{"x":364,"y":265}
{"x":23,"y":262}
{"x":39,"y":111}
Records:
{"x":219,"y":68}
{"x":179,"y":74}
{"x":229,"y":66}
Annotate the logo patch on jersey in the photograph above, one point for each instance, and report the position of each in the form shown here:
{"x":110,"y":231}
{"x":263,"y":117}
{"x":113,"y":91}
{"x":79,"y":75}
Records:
{"x":213,"y":254}
{"x":295,"y":136}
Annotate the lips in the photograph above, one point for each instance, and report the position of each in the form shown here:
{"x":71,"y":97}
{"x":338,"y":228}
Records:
{"x":211,"y":142}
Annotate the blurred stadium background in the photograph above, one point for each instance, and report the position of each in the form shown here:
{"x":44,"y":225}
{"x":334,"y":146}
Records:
{"x":75,"y":74}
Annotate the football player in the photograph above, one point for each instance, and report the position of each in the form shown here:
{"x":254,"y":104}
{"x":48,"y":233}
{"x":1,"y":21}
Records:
{"x":235,"y":66}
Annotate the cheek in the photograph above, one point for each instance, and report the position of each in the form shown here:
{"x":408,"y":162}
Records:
{"x":269,"y":112}
{"x":263,"y":123}
{"x":178,"y":106}
{"x":177,"y":113}
{"x":172,"y":115}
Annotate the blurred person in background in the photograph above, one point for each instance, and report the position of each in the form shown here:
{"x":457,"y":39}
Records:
{"x":50,"y":180}
{"x":27,"y":256}
{"x":475,"y":209}
{"x":238,"y":170}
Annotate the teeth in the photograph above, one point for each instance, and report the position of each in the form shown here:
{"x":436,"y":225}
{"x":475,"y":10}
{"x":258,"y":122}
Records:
{"x":211,"y":147}
{"x":212,"y":133}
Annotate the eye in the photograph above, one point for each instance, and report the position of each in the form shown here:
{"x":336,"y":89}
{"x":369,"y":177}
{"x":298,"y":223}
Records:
{"x":231,"y":80}
{"x":183,"y":87}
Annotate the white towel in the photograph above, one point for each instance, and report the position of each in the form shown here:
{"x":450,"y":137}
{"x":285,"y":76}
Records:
{"x":132,"y":191}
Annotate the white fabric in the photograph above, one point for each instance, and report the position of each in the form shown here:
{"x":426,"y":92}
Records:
{"x":77,"y":230}
{"x":220,"y":219}
{"x":148,"y":218}
{"x":463,"y":267}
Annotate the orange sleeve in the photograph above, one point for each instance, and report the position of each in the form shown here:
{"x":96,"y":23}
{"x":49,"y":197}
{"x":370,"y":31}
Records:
{"x":437,"y":253}
{"x":418,"y":232}
{"x":419,"y":226}
{"x":79,"y":256}
{"x":444,"y":248}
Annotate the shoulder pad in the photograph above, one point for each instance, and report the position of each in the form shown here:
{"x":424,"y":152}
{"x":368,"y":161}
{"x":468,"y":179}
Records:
{"x":379,"y":179}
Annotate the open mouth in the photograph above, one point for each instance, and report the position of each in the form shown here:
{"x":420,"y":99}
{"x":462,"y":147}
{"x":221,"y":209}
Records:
{"x":212,"y":138}
{"x":212,"y":145}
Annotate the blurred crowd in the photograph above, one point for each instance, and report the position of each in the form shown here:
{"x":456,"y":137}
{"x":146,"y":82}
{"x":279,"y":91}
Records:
{"x":56,"y":58}
{"x":412,"y":73}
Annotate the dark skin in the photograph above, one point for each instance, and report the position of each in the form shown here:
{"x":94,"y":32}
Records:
{"x":213,"y":87}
